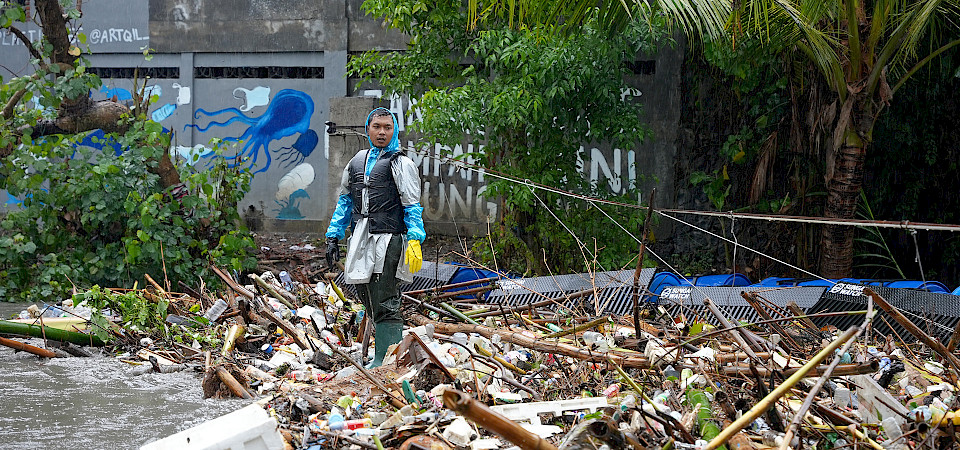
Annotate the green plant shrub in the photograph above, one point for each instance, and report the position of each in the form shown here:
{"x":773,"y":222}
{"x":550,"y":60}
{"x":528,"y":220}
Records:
{"x":95,"y":217}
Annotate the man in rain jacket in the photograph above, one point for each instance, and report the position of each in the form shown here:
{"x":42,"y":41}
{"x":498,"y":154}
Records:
{"x":380,"y":198}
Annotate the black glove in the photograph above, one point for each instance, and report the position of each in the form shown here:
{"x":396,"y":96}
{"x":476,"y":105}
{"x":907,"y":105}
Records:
{"x":333,"y":251}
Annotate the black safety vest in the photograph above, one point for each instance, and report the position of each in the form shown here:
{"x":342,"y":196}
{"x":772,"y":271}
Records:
{"x":385,"y":212}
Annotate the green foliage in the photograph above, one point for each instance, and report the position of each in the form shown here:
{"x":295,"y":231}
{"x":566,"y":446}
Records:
{"x":530,"y":98}
{"x":757,"y":85}
{"x":715,"y":185}
{"x":873,"y":250}
{"x":91,"y":216}
{"x":137,"y":313}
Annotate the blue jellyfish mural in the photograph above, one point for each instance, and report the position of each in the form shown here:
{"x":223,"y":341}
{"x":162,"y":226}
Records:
{"x":287,"y":114}
{"x":296,"y":153}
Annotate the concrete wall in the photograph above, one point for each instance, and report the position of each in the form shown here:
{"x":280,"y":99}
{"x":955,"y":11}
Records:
{"x":269,"y":73}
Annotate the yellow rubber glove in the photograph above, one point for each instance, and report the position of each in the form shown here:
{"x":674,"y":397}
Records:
{"x":414,"y":256}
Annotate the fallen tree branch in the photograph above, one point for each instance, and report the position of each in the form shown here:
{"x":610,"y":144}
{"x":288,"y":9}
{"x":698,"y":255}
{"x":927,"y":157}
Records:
{"x":485,"y":417}
{"x":908,"y":324}
{"x":768,"y":401}
{"x":621,"y":358}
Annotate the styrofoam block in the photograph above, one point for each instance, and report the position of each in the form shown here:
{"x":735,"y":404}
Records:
{"x":249,"y":428}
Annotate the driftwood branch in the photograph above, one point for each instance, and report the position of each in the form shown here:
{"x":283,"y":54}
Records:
{"x":625,"y":359}
{"x":934,"y":344}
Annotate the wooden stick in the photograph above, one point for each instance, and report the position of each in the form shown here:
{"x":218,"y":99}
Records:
{"x":155,"y":285}
{"x":578,"y":328}
{"x":485,"y":417}
{"x":232,"y":383}
{"x":623,"y":358}
{"x":934,"y":344}
{"x":367,"y":374}
{"x":753,"y":299}
{"x":768,"y":401}
{"x":287,"y":327}
{"x":233,"y":284}
{"x":954,"y":338}
{"x":27,"y":348}
{"x":796,"y":311}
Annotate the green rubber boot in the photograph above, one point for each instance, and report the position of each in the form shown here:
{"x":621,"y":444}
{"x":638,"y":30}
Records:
{"x":388,"y":333}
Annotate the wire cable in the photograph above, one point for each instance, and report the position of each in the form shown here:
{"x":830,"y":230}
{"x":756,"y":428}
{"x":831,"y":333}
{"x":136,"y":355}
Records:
{"x":579,"y":242}
{"x":904,"y":224}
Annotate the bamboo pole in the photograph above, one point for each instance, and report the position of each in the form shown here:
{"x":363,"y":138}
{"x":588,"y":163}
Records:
{"x":704,"y":414}
{"x":229,"y":340}
{"x":578,"y":328}
{"x":781,"y":390}
{"x":273,"y":291}
{"x":735,"y":333}
{"x":456,"y":313}
{"x":808,"y":401}
{"x":31,"y":330}
{"x":450,"y":286}
{"x":819,"y":371}
{"x":475,"y":290}
{"x":549,"y":301}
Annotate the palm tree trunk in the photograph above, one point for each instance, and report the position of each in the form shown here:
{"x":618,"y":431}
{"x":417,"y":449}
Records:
{"x":843,"y":192}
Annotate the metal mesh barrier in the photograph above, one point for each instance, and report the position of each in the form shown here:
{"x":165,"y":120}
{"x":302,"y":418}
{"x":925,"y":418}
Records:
{"x":613,"y":290}
{"x":689,"y":300}
{"x":935,"y":313}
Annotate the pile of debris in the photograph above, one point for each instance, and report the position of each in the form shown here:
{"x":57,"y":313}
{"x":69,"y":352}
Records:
{"x":471,"y":374}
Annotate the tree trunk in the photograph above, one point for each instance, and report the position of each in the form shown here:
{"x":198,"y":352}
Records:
{"x":80,"y":114}
{"x":843,"y":193}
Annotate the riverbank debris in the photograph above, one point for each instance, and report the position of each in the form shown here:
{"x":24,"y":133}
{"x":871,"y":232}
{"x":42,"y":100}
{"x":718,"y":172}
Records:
{"x":551,"y":373}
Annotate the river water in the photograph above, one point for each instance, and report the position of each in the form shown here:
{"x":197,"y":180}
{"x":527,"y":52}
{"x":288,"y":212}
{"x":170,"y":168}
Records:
{"x":94,"y":403}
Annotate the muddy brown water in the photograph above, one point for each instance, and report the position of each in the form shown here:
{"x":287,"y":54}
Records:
{"x":94,"y":403}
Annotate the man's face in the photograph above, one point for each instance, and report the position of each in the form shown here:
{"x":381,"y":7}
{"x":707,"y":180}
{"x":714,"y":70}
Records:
{"x":381,"y":130}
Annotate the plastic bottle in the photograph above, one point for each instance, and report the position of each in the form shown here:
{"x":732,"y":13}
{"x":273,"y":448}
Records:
{"x":286,"y":280}
{"x":216,"y":310}
{"x":670,"y":373}
{"x":350,"y":424}
{"x":841,"y":396}
{"x":329,"y":337}
{"x":772,"y":438}
{"x":892,"y":428}
{"x":302,"y":375}
{"x":612,"y":391}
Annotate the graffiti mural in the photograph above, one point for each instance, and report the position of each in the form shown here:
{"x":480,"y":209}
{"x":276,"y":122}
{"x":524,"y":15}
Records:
{"x":291,"y":189}
{"x":258,"y":96}
{"x":288,"y":114}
